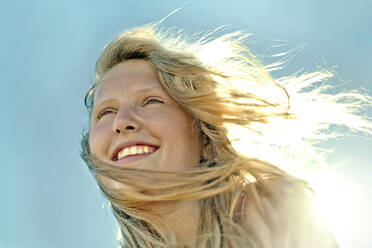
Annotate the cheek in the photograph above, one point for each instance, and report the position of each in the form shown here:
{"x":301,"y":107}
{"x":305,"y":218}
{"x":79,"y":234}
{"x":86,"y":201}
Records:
{"x":99,"y":138}
{"x":188,"y":132}
{"x":171,"y":126}
{"x":183,"y":146}
{"x":185,"y":152}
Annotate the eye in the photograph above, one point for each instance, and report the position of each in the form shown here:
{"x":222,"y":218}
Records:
{"x":104,"y":112}
{"x":153,"y":101}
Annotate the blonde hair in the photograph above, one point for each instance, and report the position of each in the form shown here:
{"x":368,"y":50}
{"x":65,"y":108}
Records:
{"x":221,"y":84}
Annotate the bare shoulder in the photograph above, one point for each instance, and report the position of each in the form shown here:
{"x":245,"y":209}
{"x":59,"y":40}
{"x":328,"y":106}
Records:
{"x":286,"y":217}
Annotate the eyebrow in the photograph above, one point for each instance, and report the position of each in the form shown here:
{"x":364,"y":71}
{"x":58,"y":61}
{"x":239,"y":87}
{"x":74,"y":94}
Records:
{"x":139,"y":91}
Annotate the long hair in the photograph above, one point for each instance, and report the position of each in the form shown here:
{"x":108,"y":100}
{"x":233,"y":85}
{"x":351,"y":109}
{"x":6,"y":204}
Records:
{"x":222,"y":85}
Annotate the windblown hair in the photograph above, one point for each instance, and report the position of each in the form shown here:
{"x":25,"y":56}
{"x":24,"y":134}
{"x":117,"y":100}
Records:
{"x":223,"y":86}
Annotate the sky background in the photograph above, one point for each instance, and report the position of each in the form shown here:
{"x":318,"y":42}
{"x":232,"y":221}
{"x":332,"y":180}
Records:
{"x":48,"y":50}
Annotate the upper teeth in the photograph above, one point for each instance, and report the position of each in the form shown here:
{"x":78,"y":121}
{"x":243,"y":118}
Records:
{"x":133,"y":150}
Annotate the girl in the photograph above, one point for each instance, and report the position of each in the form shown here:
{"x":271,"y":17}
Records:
{"x":158,"y":144}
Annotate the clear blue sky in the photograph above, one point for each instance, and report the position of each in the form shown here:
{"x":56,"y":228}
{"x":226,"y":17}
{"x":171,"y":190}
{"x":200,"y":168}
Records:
{"x":48,"y":51}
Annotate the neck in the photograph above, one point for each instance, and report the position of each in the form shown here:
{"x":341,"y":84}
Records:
{"x":181,"y":217}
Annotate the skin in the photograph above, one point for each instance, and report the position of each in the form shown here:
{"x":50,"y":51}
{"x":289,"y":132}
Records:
{"x":128,"y":113}
{"x":131,"y":105}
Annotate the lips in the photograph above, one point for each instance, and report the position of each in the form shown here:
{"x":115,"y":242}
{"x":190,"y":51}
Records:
{"x":122,"y":146}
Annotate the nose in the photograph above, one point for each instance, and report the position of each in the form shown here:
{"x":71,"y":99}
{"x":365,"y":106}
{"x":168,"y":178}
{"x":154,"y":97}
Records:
{"x":125,"y":122}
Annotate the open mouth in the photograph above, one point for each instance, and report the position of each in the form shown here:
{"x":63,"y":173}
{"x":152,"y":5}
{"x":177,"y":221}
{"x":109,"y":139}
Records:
{"x":132,"y":152}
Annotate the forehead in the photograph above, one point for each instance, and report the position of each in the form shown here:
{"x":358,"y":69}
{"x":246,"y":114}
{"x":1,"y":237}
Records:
{"x":128,"y":76}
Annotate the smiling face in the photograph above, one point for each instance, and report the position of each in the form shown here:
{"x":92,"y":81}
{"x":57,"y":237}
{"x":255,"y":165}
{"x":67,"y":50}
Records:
{"x":135,"y":123}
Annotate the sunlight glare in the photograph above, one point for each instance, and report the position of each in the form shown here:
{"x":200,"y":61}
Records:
{"x":338,"y":202}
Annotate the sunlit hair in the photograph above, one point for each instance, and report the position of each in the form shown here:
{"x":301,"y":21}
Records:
{"x":223,"y":86}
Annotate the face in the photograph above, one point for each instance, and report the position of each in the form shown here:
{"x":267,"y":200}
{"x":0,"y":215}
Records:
{"x":135,"y":123}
